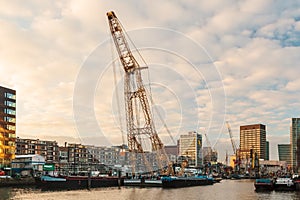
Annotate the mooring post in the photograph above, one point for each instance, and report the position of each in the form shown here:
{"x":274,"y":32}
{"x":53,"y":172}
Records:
{"x":119,"y":179}
{"x":89,"y":179}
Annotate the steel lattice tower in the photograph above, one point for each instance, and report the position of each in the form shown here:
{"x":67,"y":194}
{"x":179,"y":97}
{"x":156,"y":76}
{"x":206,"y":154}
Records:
{"x":135,"y":98}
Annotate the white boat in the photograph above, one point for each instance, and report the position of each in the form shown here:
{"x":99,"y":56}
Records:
{"x":284,"y":184}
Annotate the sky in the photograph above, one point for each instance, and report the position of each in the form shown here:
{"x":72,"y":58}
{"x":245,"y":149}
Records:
{"x":208,"y":62}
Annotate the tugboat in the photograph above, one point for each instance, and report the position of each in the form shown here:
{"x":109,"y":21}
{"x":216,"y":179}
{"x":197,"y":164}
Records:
{"x":284,"y":184}
{"x":264,"y":184}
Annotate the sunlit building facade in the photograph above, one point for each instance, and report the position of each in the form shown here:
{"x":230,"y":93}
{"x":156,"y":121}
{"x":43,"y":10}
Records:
{"x":7,"y":125}
{"x":48,"y":149}
{"x":190,"y":147}
{"x":253,"y":137}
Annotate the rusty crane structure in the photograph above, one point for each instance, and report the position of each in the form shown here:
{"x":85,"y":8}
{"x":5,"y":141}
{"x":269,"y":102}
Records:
{"x":139,"y":119}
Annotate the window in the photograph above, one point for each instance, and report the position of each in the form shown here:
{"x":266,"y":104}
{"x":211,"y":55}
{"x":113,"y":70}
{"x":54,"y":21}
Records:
{"x":9,"y":103}
{"x":9,"y":95}
{"x":10,"y":119}
{"x":9,"y":111}
{"x":10,"y":143}
{"x":10,"y":127}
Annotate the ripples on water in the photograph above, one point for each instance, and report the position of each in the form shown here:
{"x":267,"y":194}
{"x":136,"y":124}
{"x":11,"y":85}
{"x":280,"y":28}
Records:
{"x":226,"y":190}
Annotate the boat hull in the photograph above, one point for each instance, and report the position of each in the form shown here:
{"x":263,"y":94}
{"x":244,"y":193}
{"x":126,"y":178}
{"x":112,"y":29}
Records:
{"x":284,"y":188}
{"x":185,"y":182}
{"x":78,"y":182}
{"x":284,"y":184}
{"x":142,"y":183}
{"x":264,"y":185}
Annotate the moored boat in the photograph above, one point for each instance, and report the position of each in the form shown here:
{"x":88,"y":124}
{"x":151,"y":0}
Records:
{"x":178,"y":182}
{"x":143,"y":182}
{"x":77,"y":182}
{"x":296,"y":180}
{"x":264,"y":184}
{"x":284,"y":184}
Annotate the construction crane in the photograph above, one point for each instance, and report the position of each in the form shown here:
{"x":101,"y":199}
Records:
{"x":136,"y":99}
{"x":209,"y":146}
{"x":211,"y":151}
{"x":231,"y":138}
{"x":207,"y":140}
{"x":236,"y":152}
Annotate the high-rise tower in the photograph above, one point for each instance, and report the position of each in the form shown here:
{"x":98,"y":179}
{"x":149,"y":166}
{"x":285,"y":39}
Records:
{"x":295,"y":143}
{"x":7,"y":125}
{"x":253,"y":137}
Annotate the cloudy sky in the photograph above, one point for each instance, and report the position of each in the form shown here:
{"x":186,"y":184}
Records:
{"x":208,"y":62}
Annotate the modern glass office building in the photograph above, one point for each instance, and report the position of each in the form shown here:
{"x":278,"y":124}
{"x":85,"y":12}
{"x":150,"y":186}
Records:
{"x":295,"y":143}
{"x":284,"y":153}
{"x":190,"y":147}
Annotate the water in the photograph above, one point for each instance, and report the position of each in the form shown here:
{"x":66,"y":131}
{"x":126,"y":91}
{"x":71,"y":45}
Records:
{"x":226,"y":190}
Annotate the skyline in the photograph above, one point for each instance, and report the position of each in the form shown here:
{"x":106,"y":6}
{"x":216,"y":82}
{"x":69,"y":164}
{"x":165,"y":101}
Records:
{"x":244,"y":53}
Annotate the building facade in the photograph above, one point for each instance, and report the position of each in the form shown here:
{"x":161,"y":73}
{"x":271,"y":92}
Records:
{"x":172,"y":149}
{"x":7,"y":125}
{"x":284,"y":153}
{"x":48,"y":149}
{"x":253,"y":137}
{"x":267,"y":157}
{"x":295,"y":143}
{"x":190,"y":147}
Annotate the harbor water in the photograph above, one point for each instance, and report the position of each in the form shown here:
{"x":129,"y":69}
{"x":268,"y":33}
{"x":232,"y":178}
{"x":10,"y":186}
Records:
{"x":226,"y":189}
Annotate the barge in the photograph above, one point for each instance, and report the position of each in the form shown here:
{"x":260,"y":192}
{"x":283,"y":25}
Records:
{"x":264,"y":184}
{"x":179,"y":182}
{"x":77,"y":182}
{"x":143,"y":182}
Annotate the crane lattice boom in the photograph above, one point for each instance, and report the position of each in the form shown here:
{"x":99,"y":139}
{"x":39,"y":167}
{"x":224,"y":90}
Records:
{"x":231,"y":138}
{"x":135,"y":98}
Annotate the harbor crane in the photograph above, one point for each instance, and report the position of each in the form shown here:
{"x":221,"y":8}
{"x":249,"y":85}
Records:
{"x":139,"y":124}
{"x":235,"y":150}
{"x":231,"y":138}
{"x":212,"y":153}
{"x":207,"y":140}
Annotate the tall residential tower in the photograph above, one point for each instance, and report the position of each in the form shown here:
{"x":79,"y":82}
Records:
{"x":7,"y":125}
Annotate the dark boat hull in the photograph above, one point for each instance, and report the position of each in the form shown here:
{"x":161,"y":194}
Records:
{"x":264,"y":184}
{"x":185,"y":182}
{"x":297,"y":184}
{"x":284,"y":188}
{"x":77,"y":182}
{"x":263,"y":187}
{"x":284,"y":184}
{"x":142,"y":183}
